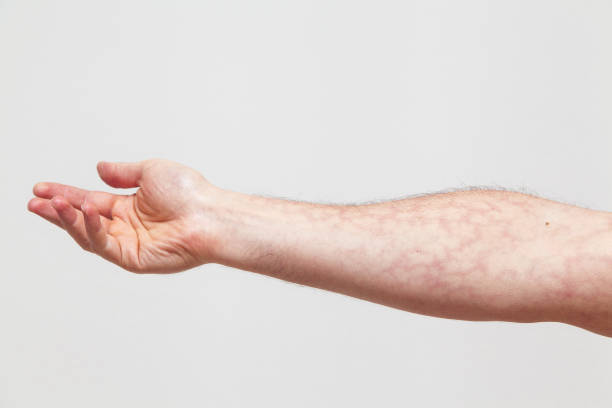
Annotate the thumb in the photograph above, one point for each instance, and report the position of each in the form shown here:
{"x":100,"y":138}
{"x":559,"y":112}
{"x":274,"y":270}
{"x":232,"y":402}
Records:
{"x":120,"y":174}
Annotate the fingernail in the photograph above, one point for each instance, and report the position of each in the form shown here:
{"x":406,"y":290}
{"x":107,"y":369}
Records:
{"x":56,"y":202}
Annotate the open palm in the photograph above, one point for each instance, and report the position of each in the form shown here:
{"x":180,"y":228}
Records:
{"x":162,"y":227}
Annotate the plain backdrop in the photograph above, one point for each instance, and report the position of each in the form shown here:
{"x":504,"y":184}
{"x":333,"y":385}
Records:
{"x":327,"y":101}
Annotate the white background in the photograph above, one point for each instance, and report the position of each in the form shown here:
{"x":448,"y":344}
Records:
{"x":333,"y":101}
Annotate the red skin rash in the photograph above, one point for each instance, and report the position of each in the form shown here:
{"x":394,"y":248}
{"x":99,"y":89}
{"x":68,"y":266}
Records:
{"x":472,"y":255}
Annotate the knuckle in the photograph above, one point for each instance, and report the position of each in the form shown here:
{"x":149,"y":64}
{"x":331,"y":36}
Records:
{"x":87,"y":198}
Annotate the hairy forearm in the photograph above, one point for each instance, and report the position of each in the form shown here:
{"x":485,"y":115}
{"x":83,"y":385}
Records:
{"x":473,"y":255}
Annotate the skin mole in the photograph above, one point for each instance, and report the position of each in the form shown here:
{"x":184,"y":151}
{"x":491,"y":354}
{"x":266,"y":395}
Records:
{"x":547,"y":223}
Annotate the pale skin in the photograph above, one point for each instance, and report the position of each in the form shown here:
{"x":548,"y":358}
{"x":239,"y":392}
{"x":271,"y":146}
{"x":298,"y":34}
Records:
{"x":470,"y":255}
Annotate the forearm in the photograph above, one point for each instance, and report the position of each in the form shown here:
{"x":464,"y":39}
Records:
{"x":474,"y":255}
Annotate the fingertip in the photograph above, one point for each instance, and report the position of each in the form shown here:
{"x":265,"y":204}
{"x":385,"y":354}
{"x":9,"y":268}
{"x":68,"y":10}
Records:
{"x":43,"y":208}
{"x":64,"y":209}
{"x":32,"y":205}
{"x":40,"y":188}
{"x":60,"y":203}
{"x":57,"y":202}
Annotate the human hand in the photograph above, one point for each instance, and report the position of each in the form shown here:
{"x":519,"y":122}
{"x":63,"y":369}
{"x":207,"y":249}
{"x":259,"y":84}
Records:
{"x":163,"y":227}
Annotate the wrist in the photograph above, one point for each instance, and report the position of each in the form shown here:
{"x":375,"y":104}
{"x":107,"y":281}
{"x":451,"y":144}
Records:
{"x":235,"y":227}
{"x":265,"y":235}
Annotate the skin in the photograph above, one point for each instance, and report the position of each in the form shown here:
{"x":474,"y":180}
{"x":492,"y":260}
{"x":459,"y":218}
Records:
{"x":470,"y":255}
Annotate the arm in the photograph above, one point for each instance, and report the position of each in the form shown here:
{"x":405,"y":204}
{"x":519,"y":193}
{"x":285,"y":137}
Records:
{"x":473,"y":255}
